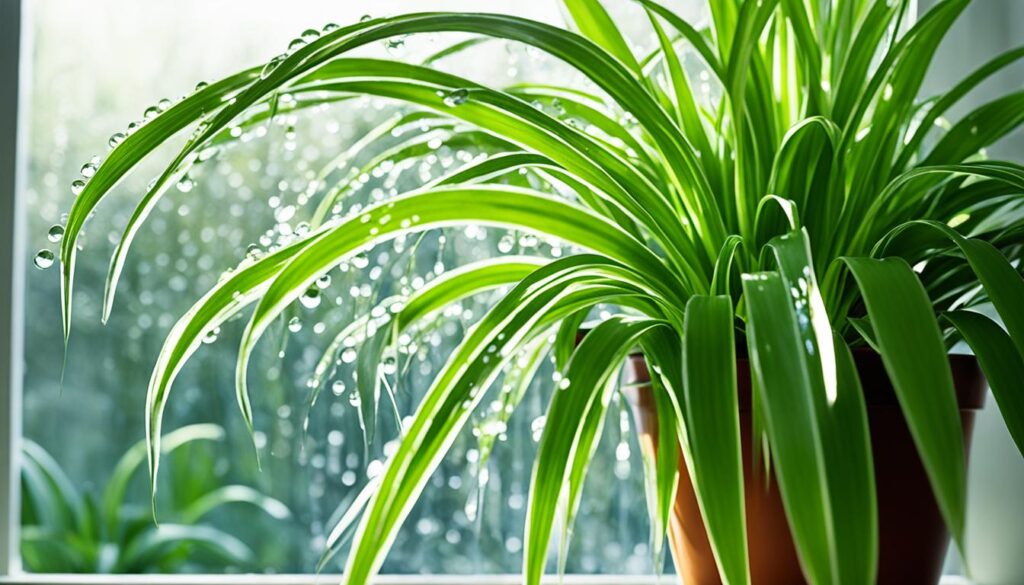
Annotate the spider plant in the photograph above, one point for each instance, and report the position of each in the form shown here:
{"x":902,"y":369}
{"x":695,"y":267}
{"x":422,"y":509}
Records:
{"x":66,"y":530}
{"x":807,"y":203}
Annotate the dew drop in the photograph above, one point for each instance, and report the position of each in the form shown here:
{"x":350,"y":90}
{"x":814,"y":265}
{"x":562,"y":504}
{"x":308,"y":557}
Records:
{"x":253,"y":252}
{"x":365,"y":18}
{"x":456,"y":97}
{"x":89,"y":169}
{"x":537,"y":427}
{"x":324,"y":281}
{"x":202,"y":85}
{"x":294,"y":325}
{"x":44,"y":259}
{"x":338,"y":388}
{"x":115,"y":139}
{"x":56,"y":233}
{"x":330,"y":27}
{"x":348,"y":355}
{"x":185,"y":184}
{"x":283,"y":214}
{"x":77,"y":186}
{"x":151,"y":112}
{"x":296,"y":44}
{"x":270,"y":66}
{"x":506,"y":243}
{"x":311,"y":298}
{"x":309,"y":35}
{"x":211,"y":335}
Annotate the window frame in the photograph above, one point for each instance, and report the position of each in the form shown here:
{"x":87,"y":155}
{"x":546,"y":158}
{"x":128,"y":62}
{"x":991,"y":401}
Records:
{"x":15,"y":79}
{"x":13,"y":134}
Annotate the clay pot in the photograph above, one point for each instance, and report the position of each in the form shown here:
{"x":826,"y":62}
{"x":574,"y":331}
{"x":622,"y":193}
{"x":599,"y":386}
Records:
{"x":913,"y":539}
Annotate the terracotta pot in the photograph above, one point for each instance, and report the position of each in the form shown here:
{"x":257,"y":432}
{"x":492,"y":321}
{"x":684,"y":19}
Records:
{"x":912,"y":536}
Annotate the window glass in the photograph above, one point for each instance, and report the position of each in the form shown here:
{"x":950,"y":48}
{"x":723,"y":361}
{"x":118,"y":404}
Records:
{"x":98,"y":66}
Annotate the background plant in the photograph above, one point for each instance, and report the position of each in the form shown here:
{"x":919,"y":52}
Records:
{"x":809,"y":141}
{"x":65,"y":530}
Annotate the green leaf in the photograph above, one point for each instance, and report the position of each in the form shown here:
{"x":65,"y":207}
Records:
{"x":567,"y":339}
{"x":233,"y":494}
{"x":841,"y":421}
{"x":594,"y":23}
{"x":851,"y":474}
{"x":699,"y":42}
{"x":156,"y":540}
{"x":950,"y":98}
{"x":1001,"y":281}
{"x":225,"y":299}
{"x":451,"y":286}
{"x":911,"y":346}
{"x":128,"y":465}
{"x":54,"y":497}
{"x":793,"y":255}
{"x":721,"y":282}
{"x":778,"y":362}
{"x":126,"y":156}
{"x":438,"y":207}
{"x":978,"y":129}
{"x":687,"y":109}
{"x":530,"y":309}
{"x":569,"y":438}
{"x":620,"y":185}
{"x":713,"y":428}
{"x":1002,"y":364}
{"x":664,"y":471}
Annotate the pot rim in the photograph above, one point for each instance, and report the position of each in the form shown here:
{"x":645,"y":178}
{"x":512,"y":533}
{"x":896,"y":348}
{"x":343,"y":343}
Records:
{"x":968,"y":380}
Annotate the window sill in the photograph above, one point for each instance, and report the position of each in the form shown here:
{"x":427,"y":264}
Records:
{"x":70,"y":579}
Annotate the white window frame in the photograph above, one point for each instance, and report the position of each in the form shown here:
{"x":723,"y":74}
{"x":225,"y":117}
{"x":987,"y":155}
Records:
{"x":15,"y":51}
{"x":13,"y":106}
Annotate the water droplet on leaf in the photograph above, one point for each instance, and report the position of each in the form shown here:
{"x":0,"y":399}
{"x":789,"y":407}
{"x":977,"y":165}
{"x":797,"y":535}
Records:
{"x":311,"y":298}
{"x":56,"y":233}
{"x":44,"y":259}
{"x":270,"y":66}
{"x":349,"y":355}
{"x":185,"y":184}
{"x":456,"y":97}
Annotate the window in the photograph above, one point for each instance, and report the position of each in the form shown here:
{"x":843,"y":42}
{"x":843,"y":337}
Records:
{"x":95,"y":67}
{"x":125,"y":56}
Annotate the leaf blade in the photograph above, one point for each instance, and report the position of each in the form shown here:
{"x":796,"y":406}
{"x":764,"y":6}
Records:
{"x":911,"y":346}
{"x":713,"y":428}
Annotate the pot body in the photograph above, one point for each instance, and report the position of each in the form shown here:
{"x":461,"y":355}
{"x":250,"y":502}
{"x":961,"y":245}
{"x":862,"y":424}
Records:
{"x":913,"y":539}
